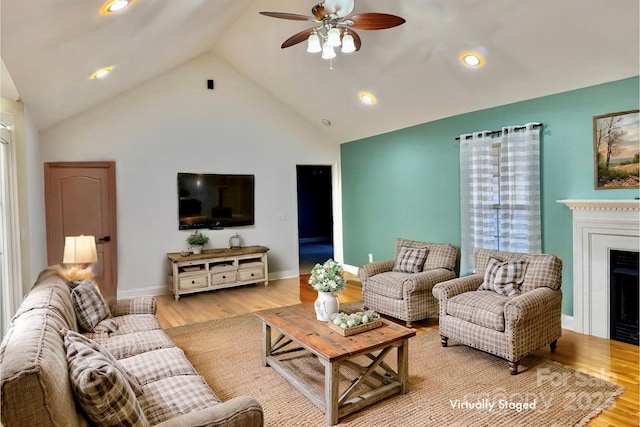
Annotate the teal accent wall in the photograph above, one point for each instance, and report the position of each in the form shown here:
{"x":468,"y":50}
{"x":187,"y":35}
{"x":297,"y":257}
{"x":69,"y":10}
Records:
{"x":406,"y":183}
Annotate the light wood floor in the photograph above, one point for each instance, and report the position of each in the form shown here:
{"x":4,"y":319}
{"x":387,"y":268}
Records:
{"x":610,"y":360}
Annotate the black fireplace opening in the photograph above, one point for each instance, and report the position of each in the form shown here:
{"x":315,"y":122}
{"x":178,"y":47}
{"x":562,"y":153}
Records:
{"x":624,"y":300}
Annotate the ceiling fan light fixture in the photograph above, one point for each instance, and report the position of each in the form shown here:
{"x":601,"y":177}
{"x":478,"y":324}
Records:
{"x":328,"y":52}
{"x":348,"y":44}
{"x":333,"y":37}
{"x":313,"y":43}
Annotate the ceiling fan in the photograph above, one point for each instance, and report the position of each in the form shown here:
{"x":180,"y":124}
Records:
{"x":335,"y":27}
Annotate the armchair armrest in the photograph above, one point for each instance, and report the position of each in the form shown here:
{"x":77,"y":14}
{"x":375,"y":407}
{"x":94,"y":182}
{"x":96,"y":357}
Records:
{"x":534,"y":303}
{"x":426,"y":280}
{"x":371,"y":269}
{"x":445,"y":290}
{"x":135,"y":305}
{"x":242,"y":411}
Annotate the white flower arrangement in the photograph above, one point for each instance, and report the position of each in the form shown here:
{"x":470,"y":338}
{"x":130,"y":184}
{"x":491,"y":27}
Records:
{"x":327,"y":277}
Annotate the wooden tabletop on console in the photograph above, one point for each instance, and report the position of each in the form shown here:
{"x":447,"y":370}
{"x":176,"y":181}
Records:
{"x":221,"y":252}
{"x":299,"y":322}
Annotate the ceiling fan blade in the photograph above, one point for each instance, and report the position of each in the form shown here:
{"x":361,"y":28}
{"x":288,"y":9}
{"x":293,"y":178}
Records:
{"x":297,"y":38}
{"x":356,"y":39}
{"x":340,"y":7}
{"x":375,"y":21}
{"x":292,"y":16}
{"x":319,"y":11}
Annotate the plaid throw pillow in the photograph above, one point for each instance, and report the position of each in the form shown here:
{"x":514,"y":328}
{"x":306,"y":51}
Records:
{"x":410,"y":260}
{"x":89,"y":305}
{"x":505,"y":277}
{"x":99,"y":385}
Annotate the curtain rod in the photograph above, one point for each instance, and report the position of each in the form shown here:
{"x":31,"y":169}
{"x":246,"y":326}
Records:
{"x":495,"y":132}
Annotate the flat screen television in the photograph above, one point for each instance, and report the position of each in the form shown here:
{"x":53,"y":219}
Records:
{"x":214,"y":201}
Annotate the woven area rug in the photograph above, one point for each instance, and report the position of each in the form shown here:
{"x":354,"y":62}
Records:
{"x":453,"y":386}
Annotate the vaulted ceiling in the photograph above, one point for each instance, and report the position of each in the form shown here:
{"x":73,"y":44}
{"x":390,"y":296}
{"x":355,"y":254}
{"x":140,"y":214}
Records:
{"x":532,"y":49}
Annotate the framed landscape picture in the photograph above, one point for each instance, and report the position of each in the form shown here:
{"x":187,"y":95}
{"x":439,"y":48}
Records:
{"x":616,"y":141}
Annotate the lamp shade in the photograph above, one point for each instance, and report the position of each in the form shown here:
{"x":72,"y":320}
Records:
{"x":327,"y":51}
{"x":348,"y":44}
{"x":313,"y":43}
{"x":80,"y":250}
{"x":333,"y":37}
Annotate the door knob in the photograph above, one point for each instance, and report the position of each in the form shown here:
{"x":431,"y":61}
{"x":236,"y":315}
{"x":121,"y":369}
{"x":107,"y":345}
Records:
{"x":104,"y":239}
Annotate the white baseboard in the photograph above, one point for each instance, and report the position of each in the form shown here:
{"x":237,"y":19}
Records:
{"x":567,"y":322}
{"x":353,"y":269}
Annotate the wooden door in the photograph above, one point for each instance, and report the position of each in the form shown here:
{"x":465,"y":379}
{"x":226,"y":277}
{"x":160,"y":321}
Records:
{"x":80,"y":198}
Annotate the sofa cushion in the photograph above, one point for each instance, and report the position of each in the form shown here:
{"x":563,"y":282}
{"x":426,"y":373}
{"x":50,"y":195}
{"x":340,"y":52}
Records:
{"x":100,"y":387}
{"x":389,"y":284}
{"x":410,"y":260}
{"x":484,"y":308}
{"x":174,"y":396}
{"x":504,"y":277}
{"x":128,"y":345}
{"x":158,"y":364}
{"x":89,"y":304}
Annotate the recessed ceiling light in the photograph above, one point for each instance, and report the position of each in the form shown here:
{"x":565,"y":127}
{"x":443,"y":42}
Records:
{"x":326,"y":122}
{"x":115,"y":5}
{"x":101,"y":73}
{"x":472,"y":59}
{"x":367,"y":98}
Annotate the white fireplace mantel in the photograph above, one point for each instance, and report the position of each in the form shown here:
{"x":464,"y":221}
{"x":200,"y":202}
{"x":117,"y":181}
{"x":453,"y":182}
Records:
{"x":598,"y":227}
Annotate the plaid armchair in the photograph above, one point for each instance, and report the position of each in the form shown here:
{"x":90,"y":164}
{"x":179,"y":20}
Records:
{"x":402,"y":287}
{"x":510,"y":307}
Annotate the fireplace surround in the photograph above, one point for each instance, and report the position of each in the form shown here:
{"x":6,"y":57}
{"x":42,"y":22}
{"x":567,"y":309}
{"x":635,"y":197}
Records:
{"x":599,"y":227}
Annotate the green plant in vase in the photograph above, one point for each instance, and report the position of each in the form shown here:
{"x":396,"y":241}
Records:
{"x":197,"y":240}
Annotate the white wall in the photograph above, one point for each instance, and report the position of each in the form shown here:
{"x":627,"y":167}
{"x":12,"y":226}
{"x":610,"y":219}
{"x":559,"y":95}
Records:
{"x":174,"y":123}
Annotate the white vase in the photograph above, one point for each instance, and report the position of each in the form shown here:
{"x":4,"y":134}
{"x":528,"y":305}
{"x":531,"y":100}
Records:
{"x":326,"y":304}
{"x":196,"y":249}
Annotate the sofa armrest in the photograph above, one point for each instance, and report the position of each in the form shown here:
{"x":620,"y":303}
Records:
{"x":371,"y":269}
{"x":135,"y":305}
{"x":426,"y":280}
{"x":242,"y":411}
{"x":534,"y":303}
{"x":445,"y":290}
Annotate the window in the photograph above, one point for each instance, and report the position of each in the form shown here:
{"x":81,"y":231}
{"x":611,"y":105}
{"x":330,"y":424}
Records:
{"x":500,"y":192}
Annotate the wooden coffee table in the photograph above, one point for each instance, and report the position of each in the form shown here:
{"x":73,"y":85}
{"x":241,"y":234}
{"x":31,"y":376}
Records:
{"x":299,"y":330}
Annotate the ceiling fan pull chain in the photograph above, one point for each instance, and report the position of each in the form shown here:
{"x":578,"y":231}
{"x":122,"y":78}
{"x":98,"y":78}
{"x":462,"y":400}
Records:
{"x":331,"y":64}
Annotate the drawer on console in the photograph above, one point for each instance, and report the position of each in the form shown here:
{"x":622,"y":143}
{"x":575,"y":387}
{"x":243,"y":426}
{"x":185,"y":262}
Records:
{"x":251,"y":274}
{"x":193,"y":282}
{"x":222,"y":278}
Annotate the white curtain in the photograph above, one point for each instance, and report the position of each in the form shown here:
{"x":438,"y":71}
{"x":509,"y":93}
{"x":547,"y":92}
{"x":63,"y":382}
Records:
{"x":10,"y":266}
{"x":520,"y":189}
{"x":476,"y":195}
{"x":500,"y":192}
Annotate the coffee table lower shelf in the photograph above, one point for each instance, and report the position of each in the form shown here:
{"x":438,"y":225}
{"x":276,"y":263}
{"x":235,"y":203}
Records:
{"x":366,"y":377}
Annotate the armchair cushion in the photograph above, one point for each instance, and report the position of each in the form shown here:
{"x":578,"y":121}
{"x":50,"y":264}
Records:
{"x":482,"y":308}
{"x":504,"y":277}
{"x":410,"y":260}
{"x":390,"y":284}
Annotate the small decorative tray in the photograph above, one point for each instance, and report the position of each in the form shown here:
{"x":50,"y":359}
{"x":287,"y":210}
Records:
{"x":356,"y":329}
{"x":361,"y":321}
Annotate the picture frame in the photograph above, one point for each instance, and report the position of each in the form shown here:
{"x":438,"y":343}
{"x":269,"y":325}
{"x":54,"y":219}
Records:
{"x":616,"y":150}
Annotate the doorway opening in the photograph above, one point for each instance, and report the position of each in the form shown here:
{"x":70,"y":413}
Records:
{"x":315,"y":216}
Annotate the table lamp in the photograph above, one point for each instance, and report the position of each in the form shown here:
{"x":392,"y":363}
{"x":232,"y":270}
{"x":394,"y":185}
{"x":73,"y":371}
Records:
{"x":79,"y":253}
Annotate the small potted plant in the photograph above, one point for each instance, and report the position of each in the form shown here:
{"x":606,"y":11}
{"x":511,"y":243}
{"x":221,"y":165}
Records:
{"x":327,"y":278}
{"x":197,"y":240}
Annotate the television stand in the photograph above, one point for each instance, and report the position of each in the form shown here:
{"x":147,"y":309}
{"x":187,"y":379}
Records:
{"x":217,"y":269}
